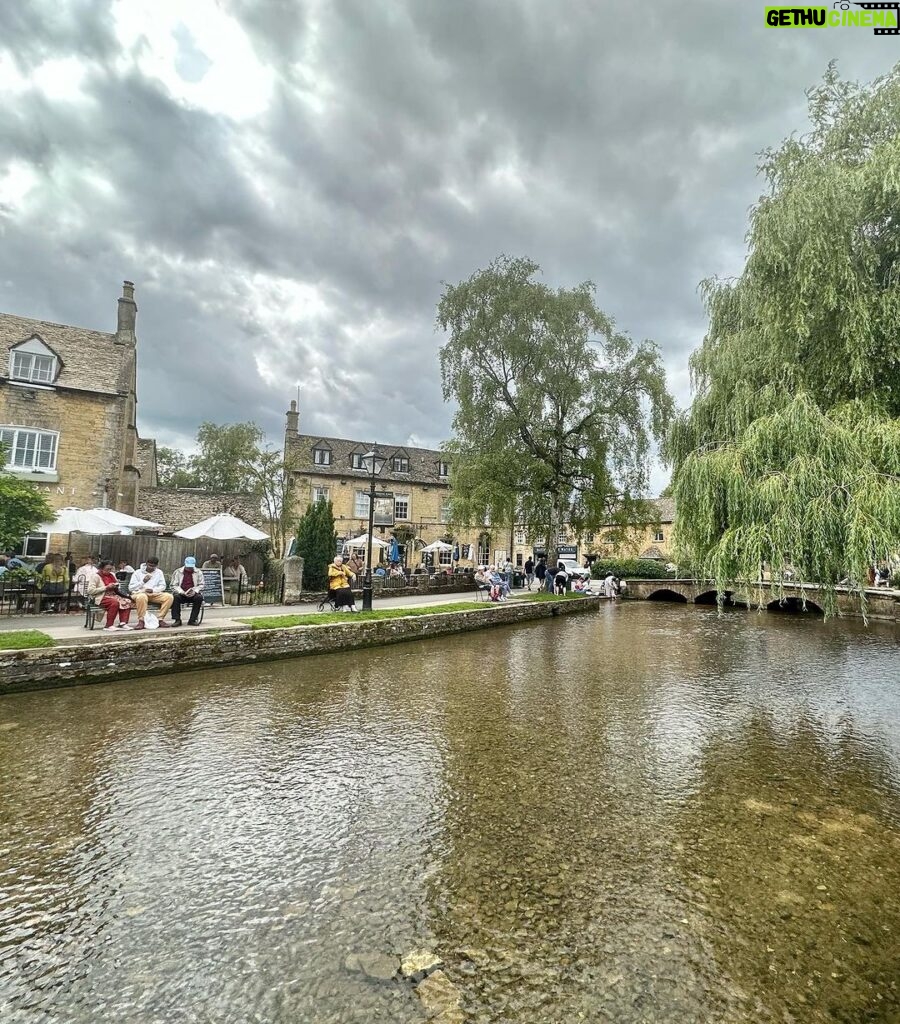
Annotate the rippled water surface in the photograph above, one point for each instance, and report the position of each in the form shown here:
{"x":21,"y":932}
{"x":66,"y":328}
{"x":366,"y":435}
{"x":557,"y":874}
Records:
{"x":654,"y":813}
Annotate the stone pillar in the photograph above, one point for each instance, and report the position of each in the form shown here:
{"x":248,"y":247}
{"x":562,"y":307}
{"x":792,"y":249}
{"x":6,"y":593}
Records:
{"x":293,"y":579}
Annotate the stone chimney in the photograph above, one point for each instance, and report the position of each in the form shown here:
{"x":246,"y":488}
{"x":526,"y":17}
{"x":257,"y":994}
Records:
{"x":127,"y":315}
{"x":292,"y":421}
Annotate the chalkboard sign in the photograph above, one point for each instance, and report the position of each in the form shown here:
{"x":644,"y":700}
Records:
{"x":212,"y":586}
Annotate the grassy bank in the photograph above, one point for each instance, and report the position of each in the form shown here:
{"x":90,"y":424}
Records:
{"x":284,"y":621}
{"x":23,"y":639}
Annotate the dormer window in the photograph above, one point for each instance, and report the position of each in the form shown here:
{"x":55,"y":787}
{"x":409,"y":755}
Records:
{"x":356,"y":460}
{"x":400,"y":464}
{"x":443,"y":469}
{"x":322,"y":456}
{"x":33,"y":362}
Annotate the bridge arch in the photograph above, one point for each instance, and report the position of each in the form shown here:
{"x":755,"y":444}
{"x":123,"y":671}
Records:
{"x":666,"y":594}
{"x":794,"y":606}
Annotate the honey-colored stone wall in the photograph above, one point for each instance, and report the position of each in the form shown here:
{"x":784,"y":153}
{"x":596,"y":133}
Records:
{"x":90,"y":447}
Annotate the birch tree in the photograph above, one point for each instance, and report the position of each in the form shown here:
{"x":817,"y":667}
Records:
{"x":557,"y":410}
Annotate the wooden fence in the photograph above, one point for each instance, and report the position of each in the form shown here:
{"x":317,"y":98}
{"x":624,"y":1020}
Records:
{"x":171,"y":551}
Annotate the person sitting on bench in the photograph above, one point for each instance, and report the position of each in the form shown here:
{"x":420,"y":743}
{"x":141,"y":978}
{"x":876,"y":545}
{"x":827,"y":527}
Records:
{"x":187,"y":586}
{"x":148,"y":586}
{"x":105,"y":590}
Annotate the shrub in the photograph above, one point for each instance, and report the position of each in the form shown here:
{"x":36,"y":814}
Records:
{"x":316,"y":543}
{"x":630,"y":568}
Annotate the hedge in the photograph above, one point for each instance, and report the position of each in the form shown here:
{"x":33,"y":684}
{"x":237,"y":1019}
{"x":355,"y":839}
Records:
{"x":630,"y":568}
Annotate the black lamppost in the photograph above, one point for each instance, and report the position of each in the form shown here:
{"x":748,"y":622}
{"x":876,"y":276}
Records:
{"x":373,"y":462}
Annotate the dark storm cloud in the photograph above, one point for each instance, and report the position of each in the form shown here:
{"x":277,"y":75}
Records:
{"x":403,"y":145}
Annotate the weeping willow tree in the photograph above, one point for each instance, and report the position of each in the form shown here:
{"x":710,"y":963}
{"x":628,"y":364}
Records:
{"x":789,"y":455}
{"x":557,"y":411}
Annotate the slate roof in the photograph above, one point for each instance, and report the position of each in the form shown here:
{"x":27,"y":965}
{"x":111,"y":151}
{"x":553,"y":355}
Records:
{"x":423,"y":462}
{"x":665,"y":508}
{"x":91,"y":361}
{"x":651,"y":552}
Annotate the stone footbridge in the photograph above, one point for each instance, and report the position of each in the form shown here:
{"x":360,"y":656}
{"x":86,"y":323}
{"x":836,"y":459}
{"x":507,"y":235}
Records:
{"x":880,"y":603}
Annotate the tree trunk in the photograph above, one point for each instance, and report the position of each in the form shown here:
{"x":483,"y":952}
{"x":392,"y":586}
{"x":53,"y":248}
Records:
{"x":553,"y":537}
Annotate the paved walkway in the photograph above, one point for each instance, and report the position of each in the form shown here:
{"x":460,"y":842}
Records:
{"x":70,"y":628}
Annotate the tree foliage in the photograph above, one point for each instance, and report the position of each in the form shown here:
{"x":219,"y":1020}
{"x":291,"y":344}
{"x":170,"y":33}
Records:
{"x":232,"y":457}
{"x":173,"y":469}
{"x":790,"y":452}
{"x":557,"y":410}
{"x":316,"y":543}
{"x":225,"y":456}
{"x":22,"y":508}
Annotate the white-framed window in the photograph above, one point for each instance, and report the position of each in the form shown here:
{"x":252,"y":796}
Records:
{"x":445,"y":510}
{"x":400,"y":464}
{"x":445,"y":558}
{"x":590,"y":538}
{"x":401,"y":506}
{"x":322,"y":456}
{"x":35,"y":545}
{"x":443,"y":469}
{"x":32,"y":367}
{"x":321,"y":494}
{"x":484,"y":551}
{"x":356,"y":460}
{"x":520,"y":536}
{"x":32,"y":361}
{"x":659,"y":536}
{"x":29,"y":449}
{"x":361,"y":505}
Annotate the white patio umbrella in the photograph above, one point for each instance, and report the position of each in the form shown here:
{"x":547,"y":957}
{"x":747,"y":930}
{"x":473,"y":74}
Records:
{"x":77,"y":520}
{"x":438,"y":545}
{"x":363,"y":540}
{"x":223,"y":526}
{"x":122,"y":520}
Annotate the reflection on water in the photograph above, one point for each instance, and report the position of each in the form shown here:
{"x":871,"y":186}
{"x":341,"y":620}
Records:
{"x":657,"y":813}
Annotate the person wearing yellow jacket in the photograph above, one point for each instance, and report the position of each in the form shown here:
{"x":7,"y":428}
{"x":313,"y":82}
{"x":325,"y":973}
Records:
{"x":339,"y":580}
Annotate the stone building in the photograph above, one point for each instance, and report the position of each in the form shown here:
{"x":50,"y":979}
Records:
{"x":67,"y":411}
{"x":418,"y":511}
{"x":639,"y":541}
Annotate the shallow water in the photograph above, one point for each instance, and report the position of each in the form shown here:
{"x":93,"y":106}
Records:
{"x":657,"y":813}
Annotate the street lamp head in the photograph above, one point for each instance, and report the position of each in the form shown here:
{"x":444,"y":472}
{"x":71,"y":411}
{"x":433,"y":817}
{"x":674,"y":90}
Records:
{"x":373,"y":462}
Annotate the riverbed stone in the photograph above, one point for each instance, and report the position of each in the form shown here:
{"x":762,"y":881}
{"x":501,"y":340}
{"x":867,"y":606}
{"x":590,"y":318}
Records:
{"x":440,"y":999}
{"x":375,"y":965}
{"x":419,"y":964}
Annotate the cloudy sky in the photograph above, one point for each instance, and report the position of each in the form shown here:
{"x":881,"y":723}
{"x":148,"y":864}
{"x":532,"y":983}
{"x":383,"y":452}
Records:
{"x":289,"y":182}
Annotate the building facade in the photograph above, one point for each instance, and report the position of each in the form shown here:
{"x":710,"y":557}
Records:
{"x":639,"y":541}
{"x":68,"y":407}
{"x":417,"y":480}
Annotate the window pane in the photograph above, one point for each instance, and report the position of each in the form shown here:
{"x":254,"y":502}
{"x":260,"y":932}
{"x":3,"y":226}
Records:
{"x":7,"y":440}
{"x":401,"y":506}
{"x":24,"y":453}
{"x":22,"y":364}
{"x":445,"y":510}
{"x":361,"y":505}
{"x":35,"y":545}
{"x":43,"y":369}
{"x":445,"y":558}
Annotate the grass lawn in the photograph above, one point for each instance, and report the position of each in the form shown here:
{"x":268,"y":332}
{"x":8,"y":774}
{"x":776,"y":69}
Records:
{"x":283,"y":621}
{"x":20,"y":639}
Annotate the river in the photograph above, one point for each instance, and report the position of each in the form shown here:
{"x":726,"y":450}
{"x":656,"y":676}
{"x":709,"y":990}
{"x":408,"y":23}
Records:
{"x":656,"y":813}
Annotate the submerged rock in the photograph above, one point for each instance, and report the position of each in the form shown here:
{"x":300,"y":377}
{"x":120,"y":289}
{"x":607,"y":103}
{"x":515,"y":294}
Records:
{"x":440,"y":999}
{"x":420,"y":963}
{"x":378,"y":966}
